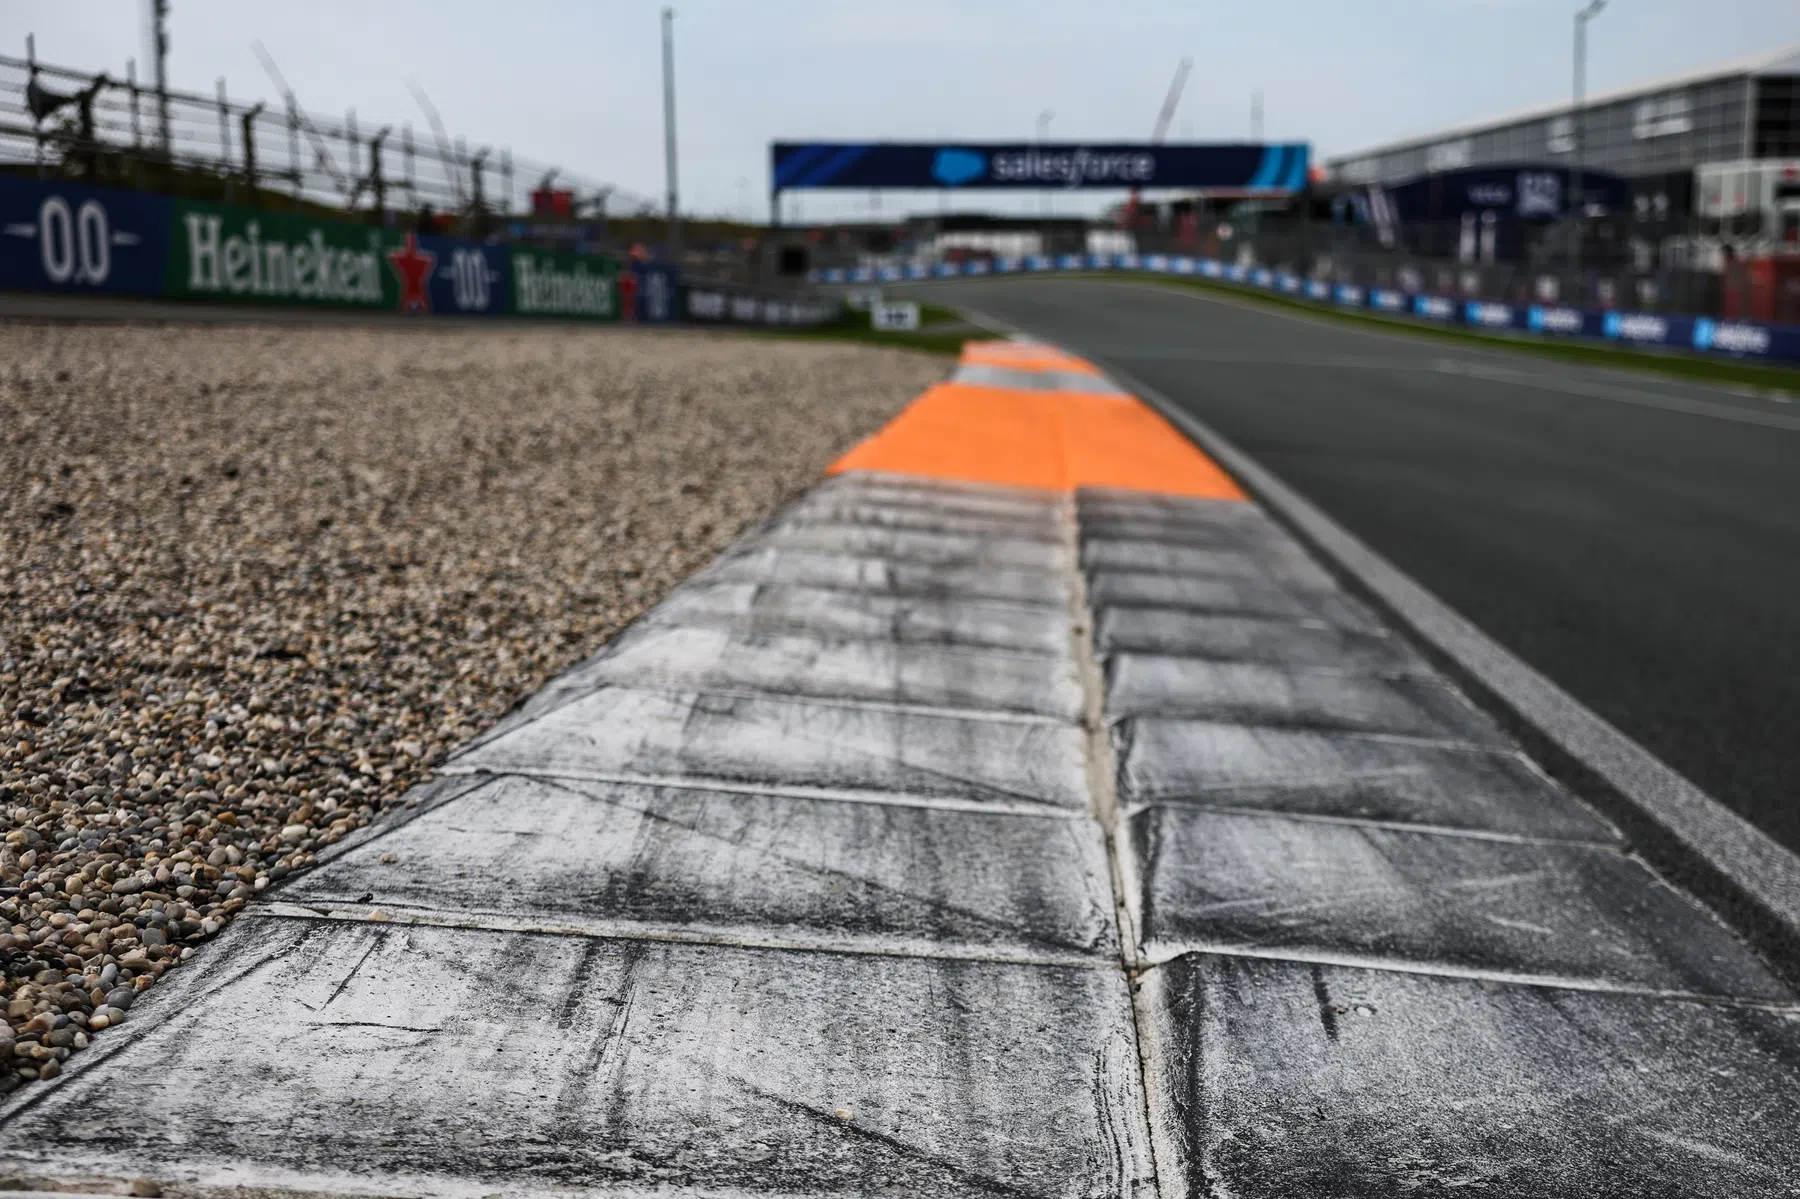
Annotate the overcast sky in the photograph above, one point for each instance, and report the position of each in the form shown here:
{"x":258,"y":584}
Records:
{"x":577,"y":82}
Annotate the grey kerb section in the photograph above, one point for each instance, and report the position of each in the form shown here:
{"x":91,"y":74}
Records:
{"x":955,"y":840}
{"x":981,"y":374}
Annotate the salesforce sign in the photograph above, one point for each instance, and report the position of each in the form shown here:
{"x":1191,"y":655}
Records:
{"x":1080,"y":167}
{"x":1237,"y":167}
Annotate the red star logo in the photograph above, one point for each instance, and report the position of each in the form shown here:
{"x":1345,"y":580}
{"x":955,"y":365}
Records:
{"x":413,"y":265}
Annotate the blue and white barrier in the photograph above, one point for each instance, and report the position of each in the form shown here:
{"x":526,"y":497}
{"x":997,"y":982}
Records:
{"x":1737,"y":339}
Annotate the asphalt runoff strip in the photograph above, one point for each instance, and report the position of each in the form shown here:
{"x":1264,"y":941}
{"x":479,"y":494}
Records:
{"x":867,"y":865}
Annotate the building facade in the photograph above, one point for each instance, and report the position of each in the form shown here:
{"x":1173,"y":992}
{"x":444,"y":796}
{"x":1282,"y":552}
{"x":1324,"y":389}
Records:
{"x":1746,"y":109}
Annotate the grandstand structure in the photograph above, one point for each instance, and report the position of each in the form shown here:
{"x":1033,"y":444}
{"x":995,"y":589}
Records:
{"x":1721,"y":144}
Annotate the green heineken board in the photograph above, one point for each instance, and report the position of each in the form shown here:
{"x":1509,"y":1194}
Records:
{"x":224,"y":253}
{"x":559,"y":283}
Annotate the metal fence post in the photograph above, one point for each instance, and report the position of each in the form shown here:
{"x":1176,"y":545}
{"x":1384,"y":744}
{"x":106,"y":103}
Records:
{"x":376,"y":184}
{"x":350,"y":142}
{"x":137,"y":131}
{"x":669,"y":159}
{"x":293,"y":124}
{"x":137,"y":137}
{"x":160,"y":32}
{"x":1577,"y":207}
{"x":37,"y":132}
{"x":250,"y":115}
{"x":460,"y":161}
{"x":478,"y":201}
{"x":225,"y":141}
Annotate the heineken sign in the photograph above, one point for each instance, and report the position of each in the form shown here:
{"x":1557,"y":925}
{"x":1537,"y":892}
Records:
{"x":223,"y":253}
{"x":556,"y":283}
{"x":220,"y":253}
{"x":61,"y":236}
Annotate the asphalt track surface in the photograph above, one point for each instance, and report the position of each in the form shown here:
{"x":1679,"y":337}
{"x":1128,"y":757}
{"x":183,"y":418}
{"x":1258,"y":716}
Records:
{"x":1635,"y":539}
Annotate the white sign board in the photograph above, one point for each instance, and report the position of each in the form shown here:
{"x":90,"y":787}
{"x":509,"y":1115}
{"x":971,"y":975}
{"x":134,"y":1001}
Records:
{"x":894,"y":316}
{"x":862,"y":299}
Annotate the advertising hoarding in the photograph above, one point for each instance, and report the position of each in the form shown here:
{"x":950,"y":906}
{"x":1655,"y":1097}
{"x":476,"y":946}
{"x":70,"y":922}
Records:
{"x":1237,"y":167}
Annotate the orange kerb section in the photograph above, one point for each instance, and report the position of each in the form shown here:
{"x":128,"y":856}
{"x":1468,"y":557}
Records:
{"x":1056,"y":440}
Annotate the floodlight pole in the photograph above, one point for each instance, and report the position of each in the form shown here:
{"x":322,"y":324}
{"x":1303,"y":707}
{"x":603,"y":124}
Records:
{"x":668,"y":49}
{"x":1575,"y":202}
{"x":159,"y":46}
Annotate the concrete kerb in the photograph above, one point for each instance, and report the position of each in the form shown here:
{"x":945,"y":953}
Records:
{"x":1742,"y":873}
{"x":1687,"y":834}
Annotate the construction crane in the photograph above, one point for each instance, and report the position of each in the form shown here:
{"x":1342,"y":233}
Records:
{"x":1163,"y":117}
{"x":287,"y":93}
{"x":446,"y":154}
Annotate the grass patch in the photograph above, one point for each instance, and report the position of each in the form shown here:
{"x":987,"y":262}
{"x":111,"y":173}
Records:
{"x":933,"y":314}
{"x":1674,"y":363}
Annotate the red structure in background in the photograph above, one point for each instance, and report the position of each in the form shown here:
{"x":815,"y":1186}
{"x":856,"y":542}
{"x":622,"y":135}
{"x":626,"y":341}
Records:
{"x":1187,"y":229}
{"x":1763,"y":289}
{"x":552,"y":201}
{"x":628,"y":289}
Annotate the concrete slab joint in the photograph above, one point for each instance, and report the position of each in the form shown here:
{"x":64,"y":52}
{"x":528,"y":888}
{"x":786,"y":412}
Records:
{"x":1005,"y":825}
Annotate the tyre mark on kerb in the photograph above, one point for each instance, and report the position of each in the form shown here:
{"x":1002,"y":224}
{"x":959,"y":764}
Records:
{"x":968,"y":782}
{"x":579,"y":980}
{"x":1273,"y":907}
{"x":653,"y":683}
{"x":1161,"y":954}
{"x":642,"y":931}
{"x":700,"y":782}
{"x":849,"y":1127}
{"x":828,"y":874}
{"x":1321,"y":992}
{"x":1359,"y":822}
{"x":380,"y":939}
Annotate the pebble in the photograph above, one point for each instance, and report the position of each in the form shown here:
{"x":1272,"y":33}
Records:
{"x":259,"y":581}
